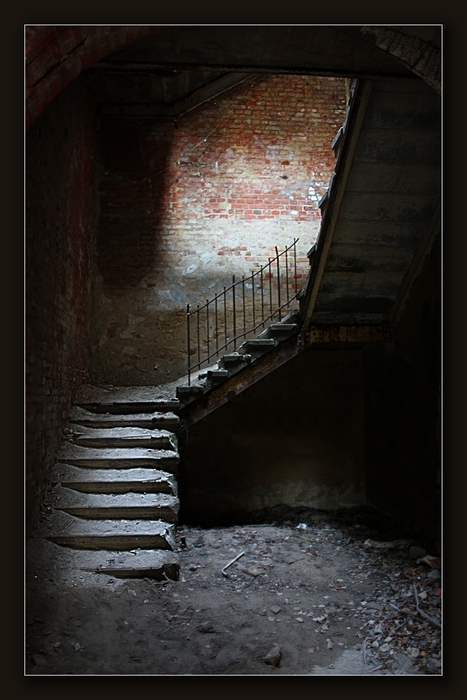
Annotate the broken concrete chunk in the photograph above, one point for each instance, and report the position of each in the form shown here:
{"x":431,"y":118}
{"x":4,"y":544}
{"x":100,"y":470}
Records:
{"x":273,"y":656}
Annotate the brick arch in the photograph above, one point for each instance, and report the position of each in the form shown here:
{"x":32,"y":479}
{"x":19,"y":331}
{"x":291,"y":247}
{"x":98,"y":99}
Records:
{"x":56,"y":55}
{"x":422,"y":57}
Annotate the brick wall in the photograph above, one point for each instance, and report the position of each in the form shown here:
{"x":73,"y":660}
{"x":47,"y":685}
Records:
{"x":60,"y":209}
{"x":185,"y":206}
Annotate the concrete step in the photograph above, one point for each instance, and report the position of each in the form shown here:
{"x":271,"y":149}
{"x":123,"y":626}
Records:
{"x":141,"y":563}
{"x":130,"y":407}
{"x":107,"y":420}
{"x":257,"y":346}
{"x":282,"y":330}
{"x":67,"y":530}
{"x":186,"y":394}
{"x":124,"y":437}
{"x":138,"y":480}
{"x":217,"y":376}
{"x":233,"y":360}
{"x":109,"y":506}
{"x":119,"y":457}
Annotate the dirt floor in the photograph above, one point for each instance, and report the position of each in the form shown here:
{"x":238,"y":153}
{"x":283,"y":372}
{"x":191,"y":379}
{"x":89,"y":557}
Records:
{"x":319,"y":597}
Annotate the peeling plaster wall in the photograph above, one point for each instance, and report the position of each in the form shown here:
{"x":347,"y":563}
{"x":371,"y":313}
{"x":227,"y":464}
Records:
{"x":293,"y":440}
{"x":184,"y":207}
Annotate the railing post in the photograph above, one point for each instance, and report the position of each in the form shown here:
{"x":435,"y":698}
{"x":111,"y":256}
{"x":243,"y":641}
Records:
{"x":270,"y":287}
{"x":243,"y":304}
{"x":207,"y":327}
{"x":253,"y":299}
{"x":295,"y":264}
{"x":197,"y":339}
{"x":225,"y":317}
{"x":262,"y":296}
{"x":217,"y":329}
{"x":278,"y":285}
{"x":188,"y":342}
{"x":233,"y":310}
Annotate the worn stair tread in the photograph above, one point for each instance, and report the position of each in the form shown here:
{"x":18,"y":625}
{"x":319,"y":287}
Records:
{"x":118,"y":457}
{"x":138,"y":480}
{"x":124,"y":534}
{"x":283,"y":327}
{"x":123,"y":437}
{"x":257,"y":346}
{"x":107,"y":420}
{"x":233,"y":358}
{"x":126,"y":407}
{"x":259,"y":342}
{"x":115,"y":506}
{"x":140,"y":563}
{"x":192,"y":389}
{"x":218,"y":375}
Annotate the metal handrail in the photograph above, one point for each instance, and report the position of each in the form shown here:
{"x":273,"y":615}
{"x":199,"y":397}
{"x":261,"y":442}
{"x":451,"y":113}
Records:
{"x":230,"y":292}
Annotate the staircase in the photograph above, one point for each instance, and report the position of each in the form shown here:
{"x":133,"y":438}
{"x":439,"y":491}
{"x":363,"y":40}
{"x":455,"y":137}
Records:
{"x":114,"y":494}
{"x":113,"y":499}
{"x":248,"y":353}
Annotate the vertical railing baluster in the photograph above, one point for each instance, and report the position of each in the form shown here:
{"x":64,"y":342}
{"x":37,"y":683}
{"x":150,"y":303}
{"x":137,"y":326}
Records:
{"x":188,"y":342}
{"x":197,"y":333}
{"x":217,"y":325}
{"x":225,"y":317}
{"x":270,"y":288}
{"x":253,"y":299}
{"x":243,"y":304}
{"x":262,"y":297}
{"x":278,"y":285}
{"x":234,"y":312}
{"x":207,"y":327}
{"x":287,"y":275}
{"x":295,"y":264}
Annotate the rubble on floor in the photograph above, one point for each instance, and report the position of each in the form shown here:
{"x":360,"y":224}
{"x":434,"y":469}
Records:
{"x":319,"y":594}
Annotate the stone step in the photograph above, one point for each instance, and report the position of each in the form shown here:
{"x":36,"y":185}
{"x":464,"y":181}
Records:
{"x":142,"y":480}
{"x":109,"y":506}
{"x":124,"y":437}
{"x":142,"y":563}
{"x":107,"y":420}
{"x":119,"y":457}
{"x":127,"y":407}
{"x":67,"y":530}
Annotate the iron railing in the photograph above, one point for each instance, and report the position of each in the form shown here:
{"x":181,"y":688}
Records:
{"x":241,"y":309}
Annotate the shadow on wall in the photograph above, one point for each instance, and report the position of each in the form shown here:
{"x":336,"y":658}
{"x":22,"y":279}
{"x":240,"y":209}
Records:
{"x":146,"y":350}
{"x":131,"y":188}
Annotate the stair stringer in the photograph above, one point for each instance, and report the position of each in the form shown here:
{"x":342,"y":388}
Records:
{"x":217,"y":396}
